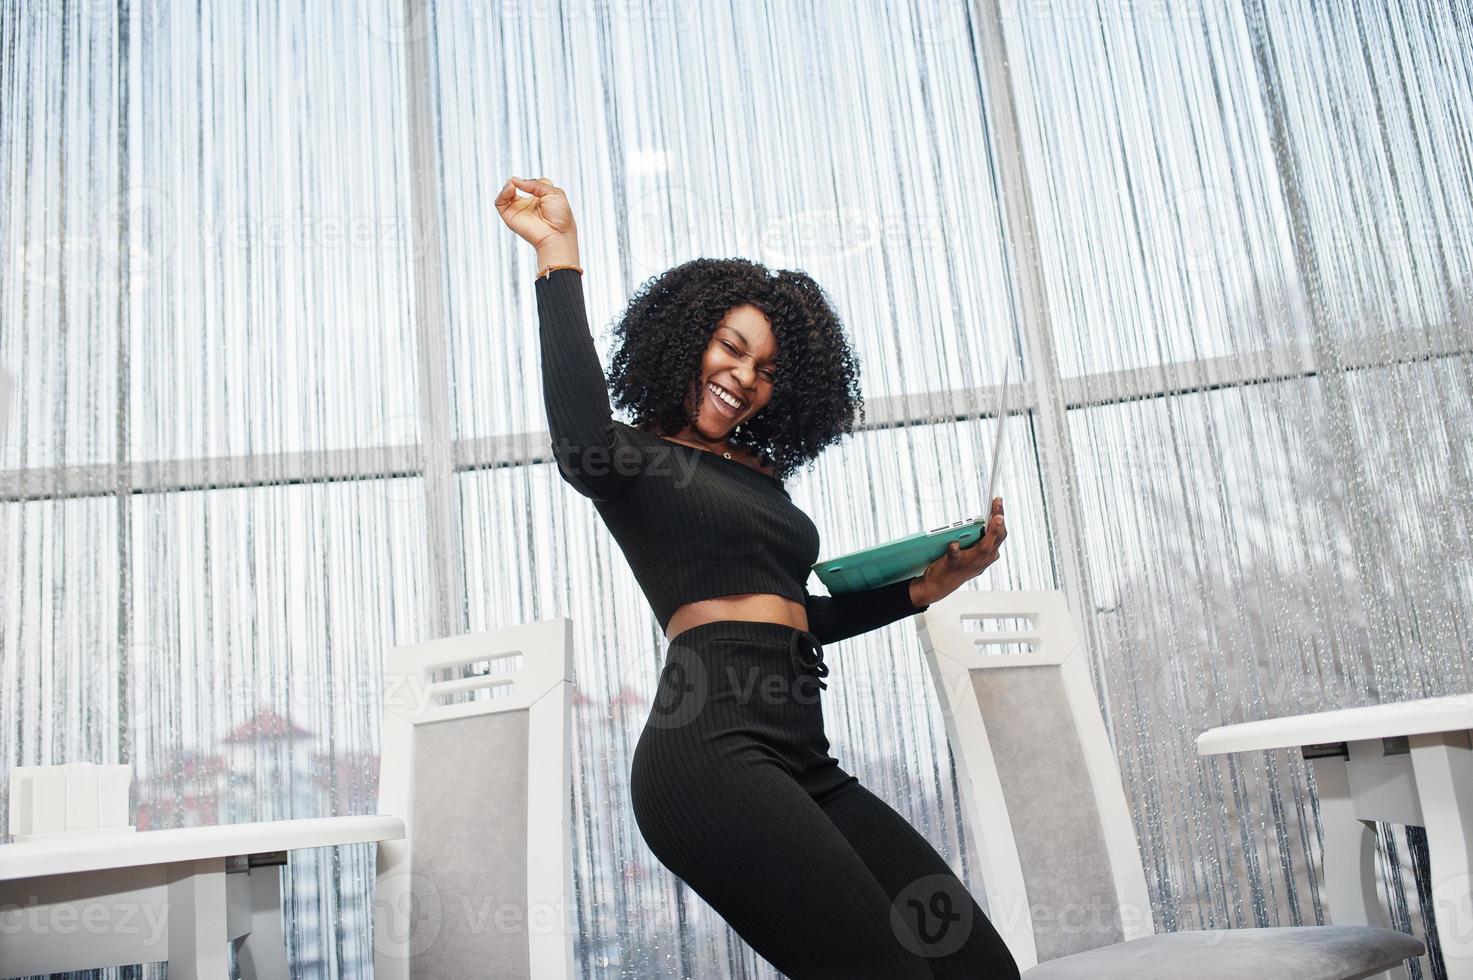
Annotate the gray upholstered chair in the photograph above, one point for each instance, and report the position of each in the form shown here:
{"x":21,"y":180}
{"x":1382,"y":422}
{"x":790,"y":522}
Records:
{"x":481,"y":883}
{"x":1046,"y":813}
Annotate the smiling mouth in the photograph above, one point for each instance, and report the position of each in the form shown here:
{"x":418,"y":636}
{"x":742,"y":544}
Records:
{"x":722,"y":406}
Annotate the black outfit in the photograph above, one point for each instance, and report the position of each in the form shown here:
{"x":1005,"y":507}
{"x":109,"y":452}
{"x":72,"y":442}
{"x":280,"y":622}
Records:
{"x":732,"y":785}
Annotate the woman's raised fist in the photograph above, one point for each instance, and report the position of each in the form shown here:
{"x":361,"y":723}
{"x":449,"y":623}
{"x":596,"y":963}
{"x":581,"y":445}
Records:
{"x":543,"y":217}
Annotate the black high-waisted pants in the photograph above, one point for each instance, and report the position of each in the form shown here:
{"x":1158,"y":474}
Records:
{"x":735,"y":792}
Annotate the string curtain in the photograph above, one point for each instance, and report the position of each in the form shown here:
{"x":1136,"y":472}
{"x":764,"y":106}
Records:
{"x":276,"y":369}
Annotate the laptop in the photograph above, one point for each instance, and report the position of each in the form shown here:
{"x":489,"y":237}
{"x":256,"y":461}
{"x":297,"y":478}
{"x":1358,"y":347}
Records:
{"x":908,"y":557}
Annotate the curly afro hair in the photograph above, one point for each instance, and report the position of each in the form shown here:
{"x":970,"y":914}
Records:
{"x":663,"y":333}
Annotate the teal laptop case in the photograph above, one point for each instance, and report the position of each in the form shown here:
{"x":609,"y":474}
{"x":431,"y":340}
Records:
{"x":908,"y":557}
{"x":892,"y":561}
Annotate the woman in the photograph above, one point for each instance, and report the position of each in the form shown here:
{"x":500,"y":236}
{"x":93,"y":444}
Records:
{"x":736,"y":376}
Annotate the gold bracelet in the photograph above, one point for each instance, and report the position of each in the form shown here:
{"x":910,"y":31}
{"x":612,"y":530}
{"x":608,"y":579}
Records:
{"x":548,"y":270}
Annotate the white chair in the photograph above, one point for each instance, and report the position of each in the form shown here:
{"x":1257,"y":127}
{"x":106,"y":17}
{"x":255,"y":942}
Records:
{"x":1046,"y":813}
{"x":481,"y":883}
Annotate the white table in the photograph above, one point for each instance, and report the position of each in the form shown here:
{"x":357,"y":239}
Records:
{"x":1409,"y":763}
{"x":177,"y":895}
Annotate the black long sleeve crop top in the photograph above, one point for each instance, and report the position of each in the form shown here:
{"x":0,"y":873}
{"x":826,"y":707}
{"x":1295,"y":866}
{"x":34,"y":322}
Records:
{"x":691,"y":523}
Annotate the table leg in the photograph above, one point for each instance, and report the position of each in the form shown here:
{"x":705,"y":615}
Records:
{"x":1350,"y":855}
{"x":261,"y":953}
{"x":197,"y":920}
{"x":1443,"y":763}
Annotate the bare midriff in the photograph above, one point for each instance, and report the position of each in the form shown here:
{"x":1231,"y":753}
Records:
{"x":762,"y":607}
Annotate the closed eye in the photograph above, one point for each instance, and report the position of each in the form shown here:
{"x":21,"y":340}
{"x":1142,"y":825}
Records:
{"x":771,"y":375}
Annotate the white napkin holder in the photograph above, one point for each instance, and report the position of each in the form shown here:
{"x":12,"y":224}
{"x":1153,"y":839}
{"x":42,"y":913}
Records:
{"x":76,"y":798}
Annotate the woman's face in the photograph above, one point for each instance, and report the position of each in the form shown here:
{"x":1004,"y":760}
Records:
{"x":741,"y":359}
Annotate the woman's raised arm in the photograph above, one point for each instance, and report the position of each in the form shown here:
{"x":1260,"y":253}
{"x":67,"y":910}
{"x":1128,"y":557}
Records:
{"x":591,"y":449}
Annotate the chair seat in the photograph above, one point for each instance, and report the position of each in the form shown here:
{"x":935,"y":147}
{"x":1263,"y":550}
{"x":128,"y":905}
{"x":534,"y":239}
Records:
{"x":1299,"y":952}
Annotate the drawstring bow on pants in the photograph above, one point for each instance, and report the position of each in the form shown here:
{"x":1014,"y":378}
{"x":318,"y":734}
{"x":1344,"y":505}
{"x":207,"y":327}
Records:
{"x":804,"y":664}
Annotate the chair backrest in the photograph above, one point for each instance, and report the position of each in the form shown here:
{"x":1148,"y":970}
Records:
{"x":481,"y":883}
{"x":1040,"y":787}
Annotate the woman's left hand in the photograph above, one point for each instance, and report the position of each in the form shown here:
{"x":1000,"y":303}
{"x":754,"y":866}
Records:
{"x":949,"y":572}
